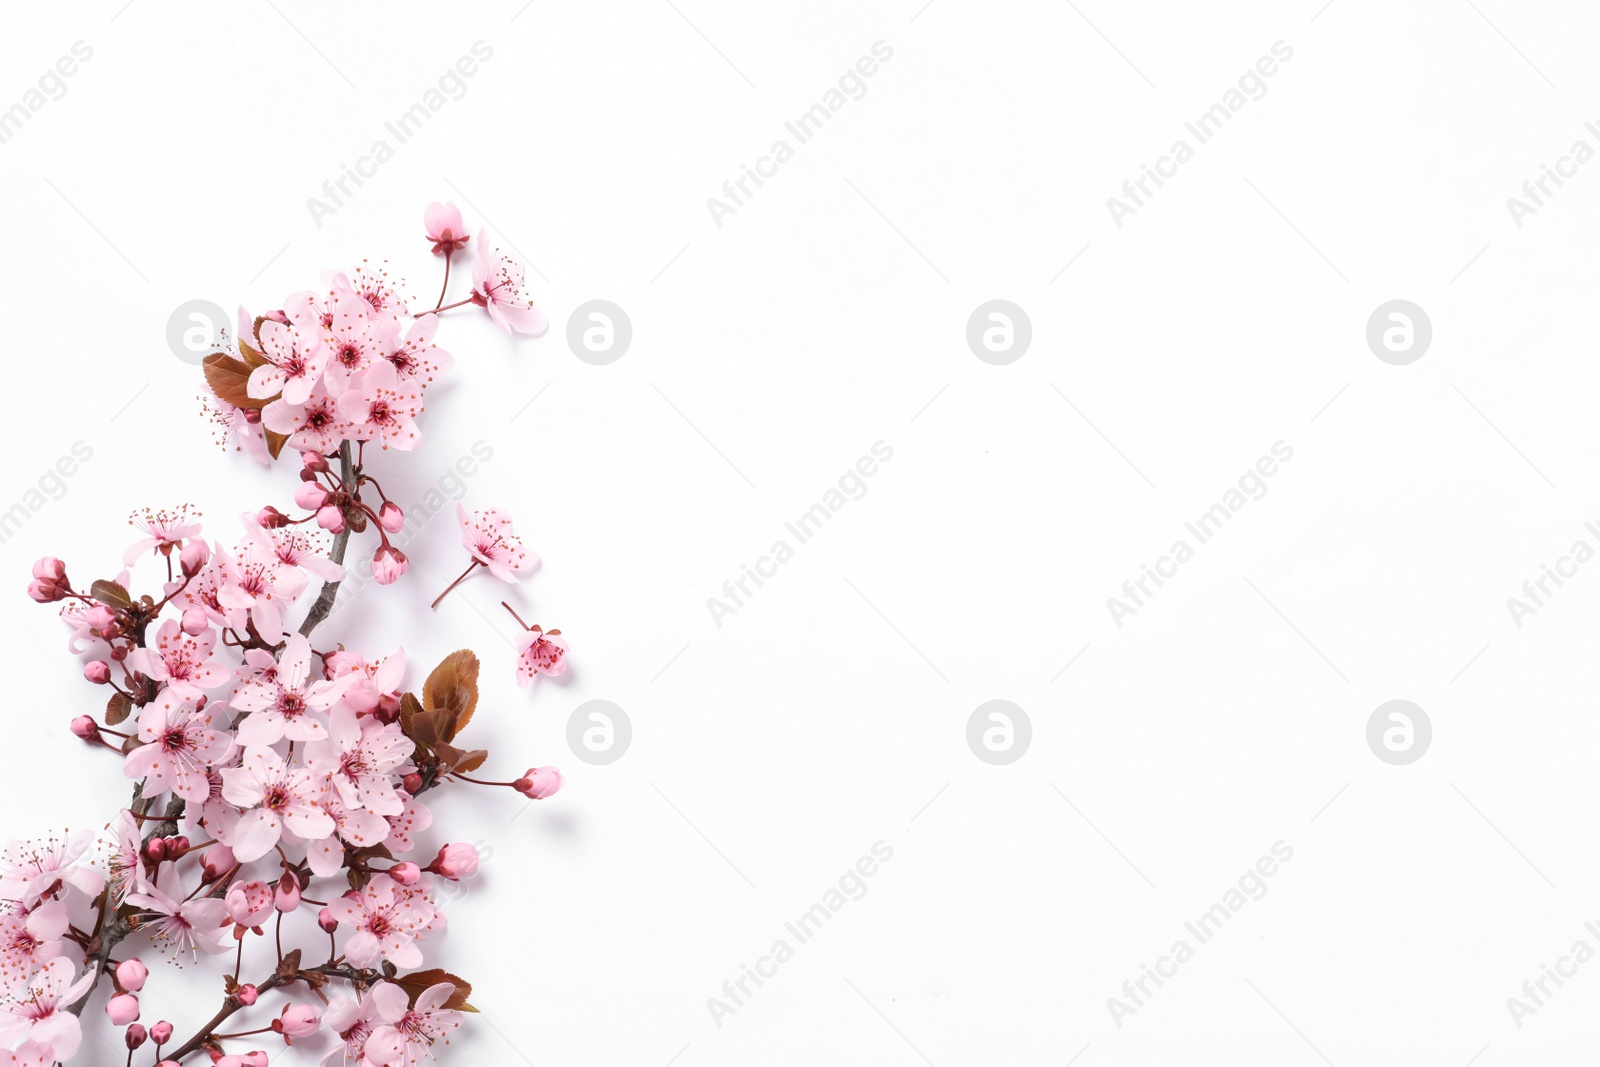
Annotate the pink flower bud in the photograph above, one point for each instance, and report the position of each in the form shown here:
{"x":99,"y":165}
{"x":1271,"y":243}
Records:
{"x":271,"y":518}
{"x":85,"y":727}
{"x":326,"y":920}
{"x":216,"y":861}
{"x":287,"y":896}
{"x":44,"y":592}
{"x":50,"y":569}
{"x":249,"y":903}
{"x":390,"y":517}
{"x":195,"y":555}
{"x":455,"y":862}
{"x":131,"y":975}
{"x":161,"y":1032}
{"x":310,"y":495}
{"x":539,"y":782}
{"x":406,"y":873}
{"x":135,"y":1036}
{"x":195,"y":621}
{"x":331,"y":519}
{"x":388,"y":564}
{"x":254,"y":1058}
{"x":297,"y":1020}
{"x":413,"y":783}
{"x":156,"y":849}
{"x":98,"y":672}
{"x":123,"y":1008}
{"x":247,"y":994}
{"x":314,"y":461}
{"x":49,"y":580}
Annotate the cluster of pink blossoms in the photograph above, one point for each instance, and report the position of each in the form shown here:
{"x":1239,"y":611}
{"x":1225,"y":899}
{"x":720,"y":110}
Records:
{"x":280,"y":781}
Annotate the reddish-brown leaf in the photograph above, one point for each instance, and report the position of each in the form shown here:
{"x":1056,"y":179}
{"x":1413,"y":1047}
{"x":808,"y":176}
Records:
{"x":111,"y":594}
{"x":454,"y":685}
{"x":418,"y":982}
{"x":229,"y":379}
{"x":117,"y":708}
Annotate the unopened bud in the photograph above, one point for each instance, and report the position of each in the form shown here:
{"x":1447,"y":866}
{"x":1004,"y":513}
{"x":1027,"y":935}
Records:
{"x":135,"y":1036}
{"x":85,"y":727}
{"x":390,"y":517}
{"x":331,"y":518}
{"x":195,"y":621}
{"x":194,"y":556}
{"x":98,"y":672}
{"x":406,"y":873}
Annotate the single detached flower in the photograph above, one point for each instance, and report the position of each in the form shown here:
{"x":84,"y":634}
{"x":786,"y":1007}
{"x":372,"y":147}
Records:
{"x":442,"y":222}
{"x":540,"y":652}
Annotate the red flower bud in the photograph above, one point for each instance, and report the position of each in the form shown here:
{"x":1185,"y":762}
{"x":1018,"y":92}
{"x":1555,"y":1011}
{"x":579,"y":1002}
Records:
{"x":85,"y":727}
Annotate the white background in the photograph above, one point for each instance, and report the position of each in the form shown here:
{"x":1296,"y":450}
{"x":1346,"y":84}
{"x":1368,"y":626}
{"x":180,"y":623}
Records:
{"x":770,"y":353}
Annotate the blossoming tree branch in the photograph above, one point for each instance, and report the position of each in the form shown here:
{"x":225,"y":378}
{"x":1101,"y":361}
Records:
{"x":281,"y":780}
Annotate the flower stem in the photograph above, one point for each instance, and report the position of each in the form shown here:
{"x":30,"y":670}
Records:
{"x":446,"y":286}
{"x":474,"y":565}
{"x":514,"y":615}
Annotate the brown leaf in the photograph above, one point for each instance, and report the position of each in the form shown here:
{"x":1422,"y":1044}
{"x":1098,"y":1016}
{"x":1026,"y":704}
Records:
{"x":355,"y":518}
{"x":111,"y":594}
{"x":452,"y":759}
{"x":229,"y":378}
{"x":418,"y":982}
{"x":453,"y":684}
{"x":117,"y":708}
{"x":275,"y":441}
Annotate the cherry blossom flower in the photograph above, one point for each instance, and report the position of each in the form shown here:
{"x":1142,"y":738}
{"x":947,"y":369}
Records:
{"x":295,"y":360}
{"x":249,"y":904}
{"x":359,"y":759}
{"x":413,"y":818}
{"x":497,"y":286}
{"x":29,"y":868}
{"x":124,"y":864}
{"x":409,"y":1041}
{"x":281,"y":705}
{"x":358,"y":826}
{"x":251,"y":585}
{"x":182,"y":662}
{"x":415,"y":358}
{"x":291,"y":548}
{"x":273,"y":798}
{"x":380,"y":407}
{"x":38,"y":1012}
{"x":539,"y":652}
{"x":355,"y":343}
{"x":371,"y":285}
{"x":179,"y":743}
{"x":164,"y":531}
{"x":188,"y":924}
{"x":487,"y":536}
{"x":373,"y":682}
{"x":314,"y":426}
{"x":386,"y":921}
{"x":30,"y":938}
{"x":444,"y":227}
{"x":354,"y":1020}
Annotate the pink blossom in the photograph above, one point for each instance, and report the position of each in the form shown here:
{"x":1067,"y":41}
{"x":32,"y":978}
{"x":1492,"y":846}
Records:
{"x":414,"y":818}
{"x":388,"y":564}
{"x":187,"y":923}
{"x":122,"y":1009}
{"x":371,"y":286}
{"x":381,"y":407}
{"x":312,"y":426}
{"x":355,"y":1020}
{"x":539,"y":783}
{"x":360,"y":759}
{"x":415,"y":358}
{"x":294,"y":364}
{"x":487,"y":536}
{"x":539,"y":653}
{"x":497,"y":286}
{"x":124,"y":864}
{"x":444,"y":227}
{"x":297,"y":1020}
{"x":179,"y":743}
{"x":354,"y":342}
{"x":291,"y":548}
{"x":287,"y":704}
{"x":181,"y":661}
{"x":29,"y":868}
{"x":358,"y":826}
{"x":275,"y":798}
{"x":373,"y":681}
{"x":38,"y":1012}
{"x":29,"y":939}
{"x":455,"y":861}
{"x":249,"y":904}
{"x":250,"y":585}
{"x":164,"y":530}
{"x":131,"y":975}
{"x":409,"y":1041}
{"x":386,"y":921}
